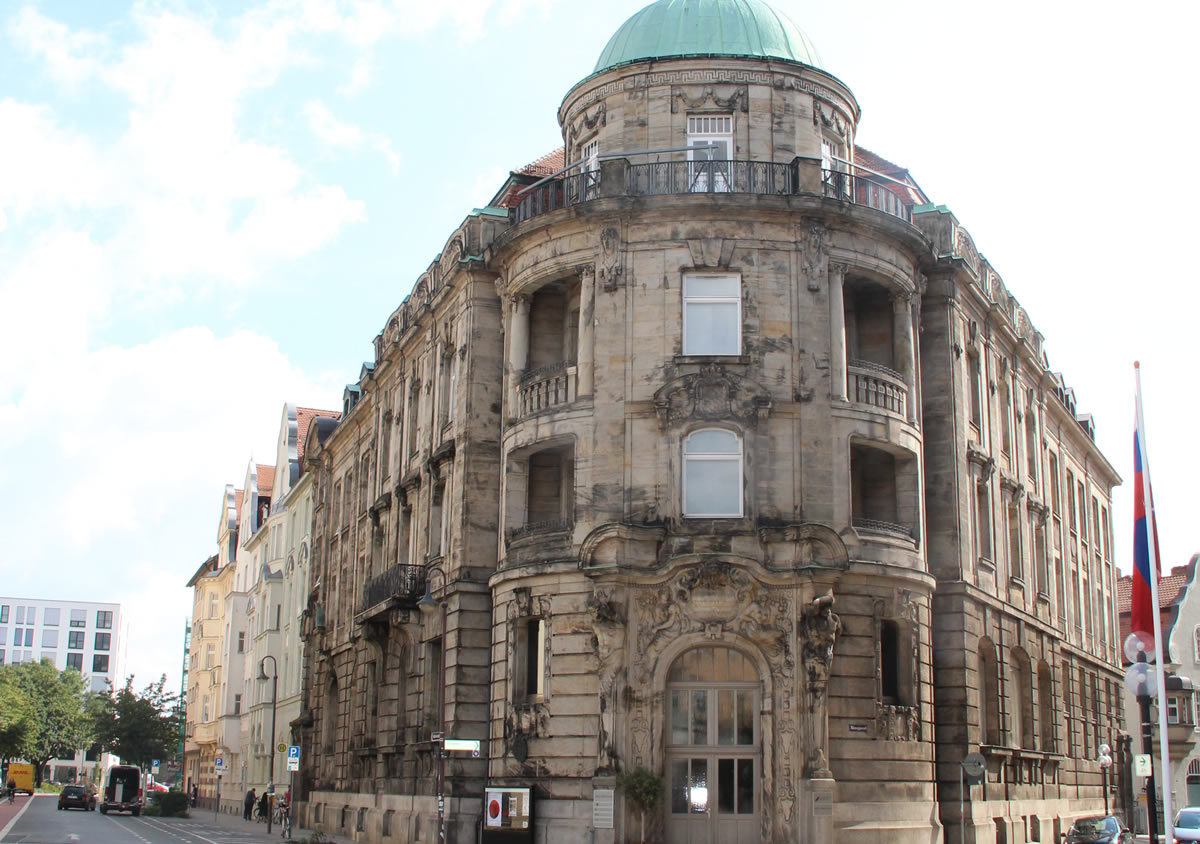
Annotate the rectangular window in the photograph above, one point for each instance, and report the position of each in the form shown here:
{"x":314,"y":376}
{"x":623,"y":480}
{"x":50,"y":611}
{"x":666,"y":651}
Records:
{"x":237,"y":704}
{"x":75,"y":661}
{"x":1005,"y":419}
{"x":1071,"y":502}
{"x":712,"y":315}
{"x":3,"y":635}
{"x":1083,"y":523}
{"x":79,"y":618}
{"x":50,"y":616}
{"x":209,"y":653}
{"x":241,"y":642}
{"x":1,"y":656}
{"x":49,"y":638}
{"x":75,"y":640}
{"x":710,"y":147}
{"x":712,"y":475}
{"x":28,"y":637}
{"x":104,"y":619}
{"x":437,"y":527}
{"x":103,"y":640}
{"x":983,"y":520}
{"x":204,"y":708}
{"x":1055,"y":494}
{"x":1172,"y":710}
{"x":975,"y":373}
{"x":1015,"y":562}
{"x":278,"y":615}
{"x":3,"y":613}
{"x":21,"y":616}
{"x":1032,"y":452}
{"x":100,"y":664}
{"x":530,"y":654}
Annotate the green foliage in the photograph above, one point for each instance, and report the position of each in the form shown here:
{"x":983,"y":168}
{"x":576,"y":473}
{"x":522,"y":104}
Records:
{"x":644,"y":789}
{"x":17,"y":716}
{"x":172,"y":804}
{"x":57,"y":701}
{"x":138,"y":727}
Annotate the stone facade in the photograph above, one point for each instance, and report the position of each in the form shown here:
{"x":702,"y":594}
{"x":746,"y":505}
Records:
{"x":742,"y":468}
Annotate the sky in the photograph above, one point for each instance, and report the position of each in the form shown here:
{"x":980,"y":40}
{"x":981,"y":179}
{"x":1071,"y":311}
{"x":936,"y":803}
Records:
{"x":210,"y":209}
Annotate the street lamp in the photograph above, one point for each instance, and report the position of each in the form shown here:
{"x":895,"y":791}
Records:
{"x":274,"y":678}
{"x":428,"y":605}
{"x":1105,"y":763}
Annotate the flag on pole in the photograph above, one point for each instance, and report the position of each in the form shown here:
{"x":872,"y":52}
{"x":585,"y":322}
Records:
{"x":1142,"y":610}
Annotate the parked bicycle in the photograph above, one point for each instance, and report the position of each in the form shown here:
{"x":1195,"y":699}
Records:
{"x":283,"y":817}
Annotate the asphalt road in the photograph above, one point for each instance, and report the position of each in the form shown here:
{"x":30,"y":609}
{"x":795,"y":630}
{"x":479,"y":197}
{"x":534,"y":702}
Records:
{"x":37,"y":820}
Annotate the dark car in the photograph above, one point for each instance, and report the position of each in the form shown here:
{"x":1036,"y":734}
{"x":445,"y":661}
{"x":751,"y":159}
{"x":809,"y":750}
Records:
{"x":77,"y":797}
{"x":1099,"y":829}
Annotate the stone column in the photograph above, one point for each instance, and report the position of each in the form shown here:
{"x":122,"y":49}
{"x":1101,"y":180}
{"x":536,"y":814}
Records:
{"x":518,"y":348}
{"x":587,"y":331}
{"x":902,"y":349}
{"x":837,"y":331}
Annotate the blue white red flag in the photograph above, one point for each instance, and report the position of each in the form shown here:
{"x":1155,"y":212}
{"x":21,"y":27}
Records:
{"x":1142,"y":599}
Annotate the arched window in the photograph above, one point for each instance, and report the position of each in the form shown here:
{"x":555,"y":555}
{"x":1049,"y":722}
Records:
{"x":1022,"y":698}
{"x":712,"y":474}
{"x":1045,"y":692}
{"x":989,"y":695}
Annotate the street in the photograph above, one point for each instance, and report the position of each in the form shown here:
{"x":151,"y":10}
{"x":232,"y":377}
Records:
{"x":37,"y":820}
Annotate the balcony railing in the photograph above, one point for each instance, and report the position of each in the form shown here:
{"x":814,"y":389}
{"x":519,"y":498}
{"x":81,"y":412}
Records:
{"x":880,"y":526}
{"x":546,"y":387}
{"x":405,"y":584}
{"x":686,"y":177}
{"x":875,"y":385}
{"x":678,"y":177}
{"x":861,"y":190}
{"x":557,"y":193}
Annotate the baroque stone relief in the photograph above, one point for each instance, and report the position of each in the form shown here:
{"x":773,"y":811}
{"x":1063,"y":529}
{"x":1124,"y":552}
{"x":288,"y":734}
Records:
{"x":608,"y":641}
{"x":738,"y":99}
{"x":610,"y":270}
{"x":584,"y":124}
{"x":803,"y":546}
{"x":712,"y":394}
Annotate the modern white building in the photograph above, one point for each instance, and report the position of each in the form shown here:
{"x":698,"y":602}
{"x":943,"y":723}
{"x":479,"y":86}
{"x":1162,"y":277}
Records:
{"x":85,"y":635}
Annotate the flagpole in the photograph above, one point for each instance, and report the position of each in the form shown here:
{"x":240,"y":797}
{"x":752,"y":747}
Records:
{"x":1161,"y":673}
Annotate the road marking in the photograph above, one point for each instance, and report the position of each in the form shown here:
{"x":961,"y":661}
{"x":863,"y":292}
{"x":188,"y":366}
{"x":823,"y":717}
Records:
{"x":180,"y":834}
{"x":16,"y":817}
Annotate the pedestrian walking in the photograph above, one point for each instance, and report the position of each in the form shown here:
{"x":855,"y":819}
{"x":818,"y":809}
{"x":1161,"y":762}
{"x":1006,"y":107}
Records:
{"x":264,"y":806}
{"x":248,"y":805}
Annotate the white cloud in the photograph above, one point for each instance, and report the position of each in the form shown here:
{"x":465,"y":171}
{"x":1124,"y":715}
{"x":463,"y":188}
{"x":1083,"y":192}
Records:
{"x":333,"y":132}
{"x":43,"y":165}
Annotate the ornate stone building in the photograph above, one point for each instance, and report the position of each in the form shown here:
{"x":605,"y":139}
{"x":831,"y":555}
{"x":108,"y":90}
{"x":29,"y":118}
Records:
{"x":722,"y":453}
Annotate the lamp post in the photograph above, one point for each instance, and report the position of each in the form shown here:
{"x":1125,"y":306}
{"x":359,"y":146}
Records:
{"x":428,"y":605}
{"x":1105,"y":763}
{"x":1140,"y":681}
{"x":274,"y":678}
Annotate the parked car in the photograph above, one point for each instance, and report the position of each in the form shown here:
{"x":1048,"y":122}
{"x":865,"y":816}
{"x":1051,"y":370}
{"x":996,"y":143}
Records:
{"x":157,"y":786}
{"x":1187,"y":824}
{"x":122,"y":790}
{"x":1099,"y":829}
{"x":77,"y":797}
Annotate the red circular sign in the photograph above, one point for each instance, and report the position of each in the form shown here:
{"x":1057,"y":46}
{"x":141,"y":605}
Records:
{"x":494,"y":809}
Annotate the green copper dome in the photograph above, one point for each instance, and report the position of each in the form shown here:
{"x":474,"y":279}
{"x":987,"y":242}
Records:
{"x":708,"y":28}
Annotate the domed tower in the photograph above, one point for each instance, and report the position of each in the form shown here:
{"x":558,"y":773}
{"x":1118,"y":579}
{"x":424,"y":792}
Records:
{"x":711,"y":561}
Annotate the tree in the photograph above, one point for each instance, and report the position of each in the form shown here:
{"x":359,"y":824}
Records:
{"x":644,"y":789}
{"x":138,"y":727}
{"x":17,"y":720}
{"x":58,"y":702}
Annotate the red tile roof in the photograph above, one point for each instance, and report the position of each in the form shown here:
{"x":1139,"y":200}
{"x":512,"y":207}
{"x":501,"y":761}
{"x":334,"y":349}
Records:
{"x":304,"y":417}
{"x":549,"y":163}
{"x":540,"y":168}
{"x":1170,"y":588}
{"x":265,"y":478}
{"x":910,"y":190}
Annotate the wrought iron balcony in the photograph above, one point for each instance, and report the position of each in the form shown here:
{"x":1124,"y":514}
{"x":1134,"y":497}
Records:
{"x":863,"y":190}
{"x":879,"y":526}
{"x":536,"y":528}
{"x":403,"y":584}
{"x":617,"y":177}
{"x":875,"y":385}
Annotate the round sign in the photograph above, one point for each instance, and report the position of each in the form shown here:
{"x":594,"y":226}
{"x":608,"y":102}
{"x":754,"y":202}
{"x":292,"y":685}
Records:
{"x":973,"y":764}
{"x":493,"y":809}
{"x":282,"y":748}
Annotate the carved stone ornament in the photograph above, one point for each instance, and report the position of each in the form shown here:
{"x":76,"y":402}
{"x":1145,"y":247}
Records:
{"x":897,"y":723}
{"x":832,"y":121}
{"x":585,"y":124}
{"x":738,"y":99}
{"x":712,"y":394}
{"x":814,"y":257}
{"x":818,"y":630}
{"x":803,"y":546}
{"x":608,"y":640}
{"x":610,"y":270}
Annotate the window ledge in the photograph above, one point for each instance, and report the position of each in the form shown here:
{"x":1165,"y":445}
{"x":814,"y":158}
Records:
{"x":727,"y":360}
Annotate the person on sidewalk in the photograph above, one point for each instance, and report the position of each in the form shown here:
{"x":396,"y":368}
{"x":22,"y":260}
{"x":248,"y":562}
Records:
{"x":264,"y":806}
{"x":248,"y":805}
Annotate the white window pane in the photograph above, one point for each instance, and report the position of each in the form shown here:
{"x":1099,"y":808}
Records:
{"x":713,"y":442}
{"x":714,"y":487}
{"x":727,"y":286}
{"x":711,"y":329}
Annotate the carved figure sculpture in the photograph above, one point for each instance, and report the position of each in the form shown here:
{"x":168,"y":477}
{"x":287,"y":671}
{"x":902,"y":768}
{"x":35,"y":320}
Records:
{"x":819,"y":628}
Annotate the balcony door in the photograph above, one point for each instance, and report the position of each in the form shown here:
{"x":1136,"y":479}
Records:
{"x":714,"y":757}
{"x":710,"y":147}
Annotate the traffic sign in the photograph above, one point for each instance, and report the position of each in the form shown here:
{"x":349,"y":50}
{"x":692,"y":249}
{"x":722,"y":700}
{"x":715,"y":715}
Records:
{"x":467,"y":745}
{"x":1141,"y":765}
{"x":293,"y":751}
{"x":154,"y":766}
{"x":293,"y":763}
{"x":219,"y":765}
{"x":973,"y":765}
{"x":282,"y":747}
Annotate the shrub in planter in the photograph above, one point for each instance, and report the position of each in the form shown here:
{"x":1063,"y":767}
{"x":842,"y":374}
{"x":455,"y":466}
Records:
{"x":644,"y":789}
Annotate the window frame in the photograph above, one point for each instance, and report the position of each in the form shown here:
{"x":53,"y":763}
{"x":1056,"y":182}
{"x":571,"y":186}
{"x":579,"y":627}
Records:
{"x":724,"y":457}
{"x":686,"y":300}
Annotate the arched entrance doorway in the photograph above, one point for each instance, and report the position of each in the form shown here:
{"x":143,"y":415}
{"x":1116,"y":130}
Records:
{"x":713,"y":749}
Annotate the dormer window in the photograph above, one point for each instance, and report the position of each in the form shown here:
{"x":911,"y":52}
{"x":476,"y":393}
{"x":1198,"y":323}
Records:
{"x":710,"y":147}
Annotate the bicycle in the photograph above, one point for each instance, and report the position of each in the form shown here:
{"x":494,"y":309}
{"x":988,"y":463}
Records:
{"x":283,"y":817}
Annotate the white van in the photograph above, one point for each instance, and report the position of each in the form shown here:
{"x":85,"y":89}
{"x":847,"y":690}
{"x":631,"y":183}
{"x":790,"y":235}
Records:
{"x":122,"y":790}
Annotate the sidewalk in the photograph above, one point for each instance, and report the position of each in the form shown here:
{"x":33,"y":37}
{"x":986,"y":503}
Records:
{"x":256,"y":830}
